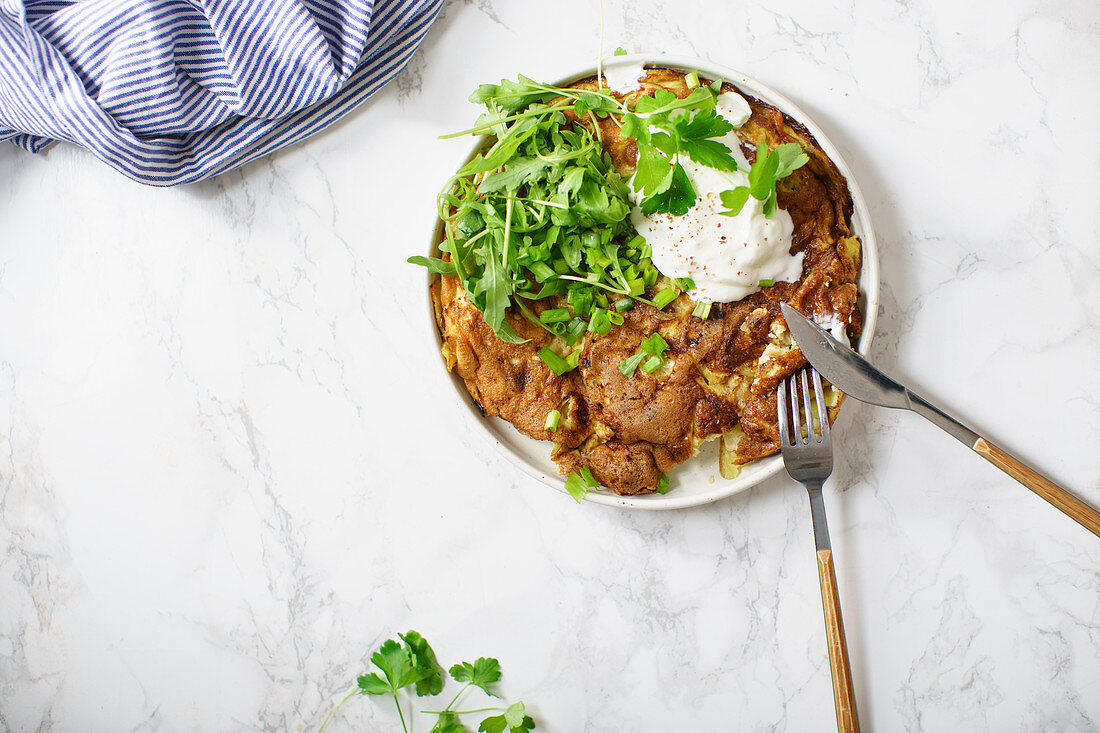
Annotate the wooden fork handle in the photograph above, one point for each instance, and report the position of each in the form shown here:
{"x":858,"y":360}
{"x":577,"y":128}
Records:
{"x":844,"y":695}
{"x":1076,"y":509}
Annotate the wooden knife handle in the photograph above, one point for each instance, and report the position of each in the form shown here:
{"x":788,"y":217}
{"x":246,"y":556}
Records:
{"x":1078,"y":510}
{"x":844,"y":695}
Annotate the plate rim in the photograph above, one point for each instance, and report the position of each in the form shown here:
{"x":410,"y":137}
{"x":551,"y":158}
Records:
{"x":868,"y":289}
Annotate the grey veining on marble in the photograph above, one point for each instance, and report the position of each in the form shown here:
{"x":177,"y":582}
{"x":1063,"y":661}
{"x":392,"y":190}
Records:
{"x":229,"y":466}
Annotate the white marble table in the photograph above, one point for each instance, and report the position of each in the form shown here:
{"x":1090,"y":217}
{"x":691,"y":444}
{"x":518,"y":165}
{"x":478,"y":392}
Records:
{"x":229,"y":467}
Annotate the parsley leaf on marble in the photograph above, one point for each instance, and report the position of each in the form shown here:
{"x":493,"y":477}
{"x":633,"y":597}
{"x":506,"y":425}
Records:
{"x":430,"y":680}
{"x":396,"y":664}
{"x":514,"y":719}
{"x":483,"y":672}
{"x":448,"y":722}
{"x":414,"y":664}
{"x":767,"y":170}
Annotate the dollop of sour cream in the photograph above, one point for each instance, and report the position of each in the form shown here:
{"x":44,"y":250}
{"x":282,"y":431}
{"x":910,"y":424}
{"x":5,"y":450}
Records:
{"x":726,"y":256}
{"x":623,"y":78}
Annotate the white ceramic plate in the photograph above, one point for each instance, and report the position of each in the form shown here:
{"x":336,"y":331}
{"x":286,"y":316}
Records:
{"x":696,"y":481}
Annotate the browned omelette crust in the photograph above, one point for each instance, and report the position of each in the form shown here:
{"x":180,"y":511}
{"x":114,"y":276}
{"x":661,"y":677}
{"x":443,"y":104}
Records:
{"x":721,"y":374}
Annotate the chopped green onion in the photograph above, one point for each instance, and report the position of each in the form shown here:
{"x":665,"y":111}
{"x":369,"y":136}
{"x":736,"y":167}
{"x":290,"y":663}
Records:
{"x":766,"y":283}
{"x":663,"y":298}
{"x":702,"y":311}
{"x":599,"y":322}
{"x":627,"y":366}
{"x":652,"y":364}
{"x":557,"y":364}
{"x":579,"y":483}
{"x":552,"y":419}
{"x":692,"y":80}
{"x":581,"y":300}
{"x":615,"y":317}
{"x":554,"y":315}
{"x":685,"y":283}
{"x":624,"y":304}
{"x":662,"y":484}
{"x":575,"y":331}
{"x":542,"y":271}
{"x":654,"y":345}
{"x":574,"y":359}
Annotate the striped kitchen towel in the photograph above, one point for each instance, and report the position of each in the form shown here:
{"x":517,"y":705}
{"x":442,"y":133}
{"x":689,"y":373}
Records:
{"x":174,"y":91}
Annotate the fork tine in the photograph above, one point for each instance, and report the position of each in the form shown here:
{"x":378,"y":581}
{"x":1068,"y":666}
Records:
{"x":822,"y":413}
{"x":807,"y":400}
{"x":781,"y":404}
{"x":796,"y":411}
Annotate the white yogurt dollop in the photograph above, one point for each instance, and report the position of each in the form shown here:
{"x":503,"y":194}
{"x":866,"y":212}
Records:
{"x":726,"y":256}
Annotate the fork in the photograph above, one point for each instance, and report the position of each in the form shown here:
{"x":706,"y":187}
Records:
{"x":809,"y":460}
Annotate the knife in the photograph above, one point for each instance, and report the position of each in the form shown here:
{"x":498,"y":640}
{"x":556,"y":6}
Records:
{"x":856,"y":377}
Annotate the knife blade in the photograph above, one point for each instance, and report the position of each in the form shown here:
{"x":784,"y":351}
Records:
{"x":856,"y":377}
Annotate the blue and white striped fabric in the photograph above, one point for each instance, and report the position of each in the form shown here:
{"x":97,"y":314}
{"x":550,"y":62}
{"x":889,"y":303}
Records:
{"x":174,"y":91}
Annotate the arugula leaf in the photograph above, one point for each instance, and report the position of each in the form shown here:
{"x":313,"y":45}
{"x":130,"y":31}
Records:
{"x":483,"y":672}
{"x":510,"y":95}
{"x":514,"y":175}
{"x":664,"y":101}
{"x":549,"y":198}
{"x":629,"y":365}
{"x":434,"y":264}
{"x":514,"y":720}
{"x":425,"y":664}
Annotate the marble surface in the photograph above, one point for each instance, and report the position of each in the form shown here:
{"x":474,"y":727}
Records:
{"x":229,"y":466}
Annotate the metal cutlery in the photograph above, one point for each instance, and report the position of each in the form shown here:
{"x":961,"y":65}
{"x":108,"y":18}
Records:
{"x":856,"y":377}
{"x":807,"y":446}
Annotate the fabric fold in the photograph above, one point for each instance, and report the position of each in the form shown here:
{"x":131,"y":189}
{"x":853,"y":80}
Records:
{"x":174,"y":91}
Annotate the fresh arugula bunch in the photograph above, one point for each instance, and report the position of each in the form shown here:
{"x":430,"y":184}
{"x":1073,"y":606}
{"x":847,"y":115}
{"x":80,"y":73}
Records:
{"x":664,"y":128}
{"x":412,"y":663}
{"x":768,"y":169}
{"x":542,"y":214}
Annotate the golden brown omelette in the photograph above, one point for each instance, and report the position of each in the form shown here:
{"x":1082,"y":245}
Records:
{"x":720,"y":375}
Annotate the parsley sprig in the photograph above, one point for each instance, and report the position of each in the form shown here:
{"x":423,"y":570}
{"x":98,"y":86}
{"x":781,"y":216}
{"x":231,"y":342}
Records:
{"x":768,"y":169}
{"x":665,"y":127}
{"x":411,"y":663}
